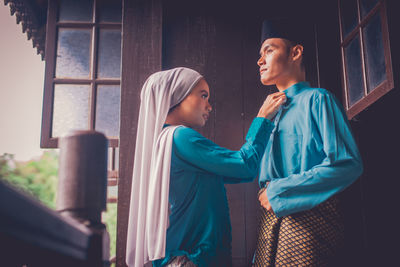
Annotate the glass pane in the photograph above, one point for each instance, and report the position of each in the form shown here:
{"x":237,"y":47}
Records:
{"x":366,"y":6}
{"x":71,"y":108}
{"x":76,"y":10}
{"x":109,"y":65}
{"x":374,"y":52}
{"x":348,"y":9}
{"x":354,"y":75}
{"x":73,"y":53}
{"x":107,"y":110}
{"x":109,"y":10}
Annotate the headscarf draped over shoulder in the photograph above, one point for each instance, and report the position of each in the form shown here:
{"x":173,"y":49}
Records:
{"x":148,"y":212}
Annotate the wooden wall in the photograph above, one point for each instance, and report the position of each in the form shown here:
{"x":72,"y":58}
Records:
{"x":370,"y":204}
{"x":221,"y":40}
{"x":141,"y":56}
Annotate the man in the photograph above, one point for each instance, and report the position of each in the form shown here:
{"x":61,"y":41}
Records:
{"x":311,"y":156}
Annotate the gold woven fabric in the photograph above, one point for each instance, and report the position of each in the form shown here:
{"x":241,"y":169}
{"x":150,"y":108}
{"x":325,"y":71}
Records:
{"x":181,"y":261}
{"x":308,"y":238}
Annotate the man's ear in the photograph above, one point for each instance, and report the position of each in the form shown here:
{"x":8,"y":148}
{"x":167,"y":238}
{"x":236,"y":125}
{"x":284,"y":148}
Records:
{"x":297,"y":52}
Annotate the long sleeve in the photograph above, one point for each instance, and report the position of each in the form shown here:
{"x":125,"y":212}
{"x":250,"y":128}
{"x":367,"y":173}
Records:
{"x":340,"y":166}
{"x":202,"y":153}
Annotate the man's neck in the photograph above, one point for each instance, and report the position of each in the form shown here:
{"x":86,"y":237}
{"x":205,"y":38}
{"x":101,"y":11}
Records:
{"x":283,"y":86}
{"x":286,"y":82}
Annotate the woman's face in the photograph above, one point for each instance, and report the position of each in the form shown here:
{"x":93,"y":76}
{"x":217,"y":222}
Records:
{"x":194,"y":110}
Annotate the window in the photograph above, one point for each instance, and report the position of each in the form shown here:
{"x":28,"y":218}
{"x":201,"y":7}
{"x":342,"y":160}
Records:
{"x":82,"y":84}
{"x":82,"y":80}
{"x":364,"y":39}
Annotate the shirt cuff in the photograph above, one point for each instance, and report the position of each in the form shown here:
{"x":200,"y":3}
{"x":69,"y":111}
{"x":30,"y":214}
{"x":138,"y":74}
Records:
{"x":276,"y":203}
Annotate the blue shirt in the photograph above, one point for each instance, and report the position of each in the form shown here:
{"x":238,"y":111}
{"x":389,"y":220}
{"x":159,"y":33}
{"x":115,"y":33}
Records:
{"x":311,"y":153}
{"x":199,"y":219}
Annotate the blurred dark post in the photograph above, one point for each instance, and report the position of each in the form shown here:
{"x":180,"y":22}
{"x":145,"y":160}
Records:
{"x":82,"y":185}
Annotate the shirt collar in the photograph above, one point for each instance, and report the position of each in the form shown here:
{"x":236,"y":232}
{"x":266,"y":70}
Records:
{"x":295,"y":89}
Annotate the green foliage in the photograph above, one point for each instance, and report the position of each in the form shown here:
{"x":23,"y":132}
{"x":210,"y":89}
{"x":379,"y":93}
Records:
{"x":110,"y":219}
{"x":35,"y":177}
{"x":38,"y":178}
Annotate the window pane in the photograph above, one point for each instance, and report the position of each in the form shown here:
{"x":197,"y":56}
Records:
{"x":71,"y":106}
{"x":348,"y":9}
{"x":73,"y":53}
{"x":109,"y":10}
{"x":109,"y":65}
{"x":107,"y":109}
{"x":354,"y":76}
{"x":374,"y":52}
{"x":366,"y":6}
{"x":76,"y":10}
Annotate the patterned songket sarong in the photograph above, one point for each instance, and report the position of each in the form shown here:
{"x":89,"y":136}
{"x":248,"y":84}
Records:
{"x":308,"y":238}
{"x":181,"y":261}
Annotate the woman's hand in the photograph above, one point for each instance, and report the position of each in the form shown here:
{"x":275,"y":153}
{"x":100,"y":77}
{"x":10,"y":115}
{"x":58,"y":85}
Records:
{"x":271,"y":105}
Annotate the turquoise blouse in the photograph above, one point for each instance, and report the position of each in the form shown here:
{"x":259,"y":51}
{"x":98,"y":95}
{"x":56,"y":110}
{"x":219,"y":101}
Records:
{"x":311,"y":154}
{"x":199,"y":220}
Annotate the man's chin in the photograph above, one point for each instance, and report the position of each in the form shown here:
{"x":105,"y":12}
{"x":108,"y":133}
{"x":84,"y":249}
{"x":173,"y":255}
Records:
{"x":266,"y":82}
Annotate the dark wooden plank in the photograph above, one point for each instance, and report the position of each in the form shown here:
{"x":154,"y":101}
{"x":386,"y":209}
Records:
{"x":31,"y":233}
{"x":254,"y":94}
{"x":141,"y":50}
{"x":189,"y":41}
{"x":229,"y":118}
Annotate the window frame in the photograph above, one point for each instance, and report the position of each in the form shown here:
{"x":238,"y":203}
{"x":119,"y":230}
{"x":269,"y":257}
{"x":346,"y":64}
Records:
{"x":47,"y":141}
{"x":388,"y":84}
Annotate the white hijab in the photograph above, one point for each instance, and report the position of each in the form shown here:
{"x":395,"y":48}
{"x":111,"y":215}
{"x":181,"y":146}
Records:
{"x":148,"y":213}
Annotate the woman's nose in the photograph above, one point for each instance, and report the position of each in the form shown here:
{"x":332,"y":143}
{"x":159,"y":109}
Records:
{"x":209,"y":107}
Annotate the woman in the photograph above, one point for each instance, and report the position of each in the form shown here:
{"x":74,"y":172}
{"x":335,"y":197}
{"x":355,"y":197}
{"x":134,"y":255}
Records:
{"x":179,"y":212}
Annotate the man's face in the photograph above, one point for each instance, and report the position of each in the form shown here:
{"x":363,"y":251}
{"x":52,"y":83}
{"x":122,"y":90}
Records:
{"x":274,"y":61}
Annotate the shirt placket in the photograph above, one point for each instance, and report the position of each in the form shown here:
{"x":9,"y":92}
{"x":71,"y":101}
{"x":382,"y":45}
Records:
{"x":274,"y":132}
{"x":271,"y":140}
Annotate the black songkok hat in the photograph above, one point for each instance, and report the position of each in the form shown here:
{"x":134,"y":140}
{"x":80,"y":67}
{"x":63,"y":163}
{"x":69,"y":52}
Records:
{"x":292,"y":30}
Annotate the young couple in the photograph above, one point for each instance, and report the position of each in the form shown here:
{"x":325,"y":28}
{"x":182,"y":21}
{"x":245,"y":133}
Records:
{"x":300,"y":145}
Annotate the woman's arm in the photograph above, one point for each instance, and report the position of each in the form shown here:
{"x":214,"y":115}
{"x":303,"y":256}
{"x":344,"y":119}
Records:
{"x":191,"y":147}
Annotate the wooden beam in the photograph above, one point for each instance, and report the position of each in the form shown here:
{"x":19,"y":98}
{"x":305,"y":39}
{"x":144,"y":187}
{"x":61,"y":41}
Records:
{"x":33,"y":234}
{"x":141,"y":56}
